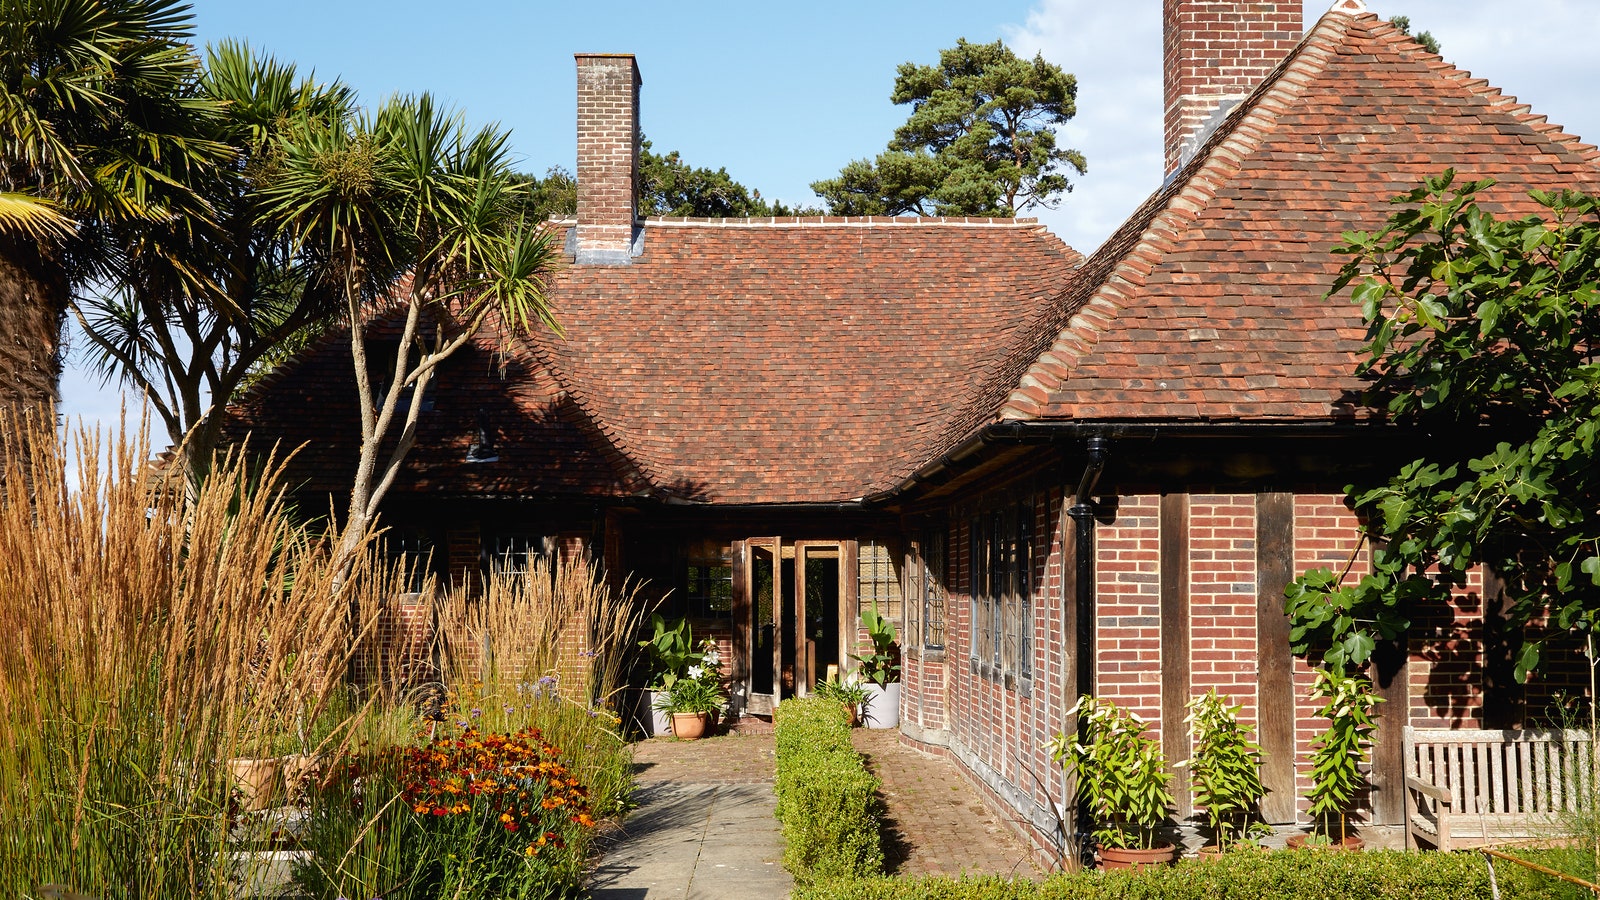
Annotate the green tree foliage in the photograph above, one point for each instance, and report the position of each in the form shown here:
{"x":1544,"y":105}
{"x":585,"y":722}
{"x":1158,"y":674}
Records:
{"x":1491,"y":325}
{"x":406,"y":213}
{"x":193,"y":306}
{"x":100,"y":123}
{"x":979,"y":141}
{"x":1426,"y":38}
{"x":668,"y":186}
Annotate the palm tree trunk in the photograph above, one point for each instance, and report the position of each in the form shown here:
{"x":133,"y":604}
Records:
{"x":33,"y":305}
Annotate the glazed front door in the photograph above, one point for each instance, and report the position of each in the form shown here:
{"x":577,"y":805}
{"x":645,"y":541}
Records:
{"x":762,"y":623}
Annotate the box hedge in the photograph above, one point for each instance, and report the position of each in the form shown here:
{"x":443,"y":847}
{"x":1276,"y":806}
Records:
{"x":1282,"y":875}
{"x":827,"y":801}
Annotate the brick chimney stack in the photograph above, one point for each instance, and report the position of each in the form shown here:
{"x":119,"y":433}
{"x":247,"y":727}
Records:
{"x":1215,"y":52}
{"x":608,"y":157}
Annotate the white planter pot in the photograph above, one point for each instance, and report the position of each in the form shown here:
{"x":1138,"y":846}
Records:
{"x":882,"y":709}
{"x":660,"y":722}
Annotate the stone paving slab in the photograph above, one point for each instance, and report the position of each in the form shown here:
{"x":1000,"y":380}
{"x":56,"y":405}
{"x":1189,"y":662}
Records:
{"x":690,"y":841}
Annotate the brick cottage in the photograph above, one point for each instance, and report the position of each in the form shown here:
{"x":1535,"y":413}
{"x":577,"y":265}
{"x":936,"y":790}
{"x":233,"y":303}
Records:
{"x":1059,"y":474}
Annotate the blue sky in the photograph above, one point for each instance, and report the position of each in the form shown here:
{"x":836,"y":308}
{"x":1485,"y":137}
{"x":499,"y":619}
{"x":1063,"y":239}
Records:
{"x":783,"y":94}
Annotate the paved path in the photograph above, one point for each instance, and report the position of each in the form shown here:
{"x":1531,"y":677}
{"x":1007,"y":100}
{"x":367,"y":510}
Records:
{"x":936,"y":823}
{"x":704,"y":828}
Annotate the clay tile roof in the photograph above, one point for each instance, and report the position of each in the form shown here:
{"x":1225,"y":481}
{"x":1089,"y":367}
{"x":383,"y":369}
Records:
{"x":735,"y":361}
{"x":793,"y":360}
{"x":1207,"y":304}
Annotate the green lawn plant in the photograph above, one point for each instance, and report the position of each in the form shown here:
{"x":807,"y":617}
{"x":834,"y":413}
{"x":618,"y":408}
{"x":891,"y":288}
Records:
{"x":827,"y":800}
{"x":1339,"y":752}
{"x":1225,"y":770}
{"x":1121,"y":774}
{"x":882,"y":665}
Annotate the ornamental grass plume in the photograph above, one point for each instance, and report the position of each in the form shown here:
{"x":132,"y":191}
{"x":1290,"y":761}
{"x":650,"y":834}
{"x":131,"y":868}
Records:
{"x":148,"y":638}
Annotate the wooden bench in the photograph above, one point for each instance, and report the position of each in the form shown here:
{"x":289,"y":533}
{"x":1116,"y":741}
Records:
{"x":1466,"y":788}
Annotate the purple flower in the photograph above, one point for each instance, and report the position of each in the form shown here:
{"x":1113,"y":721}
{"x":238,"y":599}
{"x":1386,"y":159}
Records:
{"x":476,"y":712}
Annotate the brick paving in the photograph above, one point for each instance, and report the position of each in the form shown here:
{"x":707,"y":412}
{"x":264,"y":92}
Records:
{"x":935,"y":824}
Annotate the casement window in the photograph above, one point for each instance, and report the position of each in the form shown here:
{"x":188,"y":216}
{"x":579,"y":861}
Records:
{"x":878,"y":585}
{"x":708,"y":580}
{"x":1002,"y":591}
{"x":928,"y":594}
{"x":414,"y":552}
{"x":978,"y":569}
{"x":515,"y":553}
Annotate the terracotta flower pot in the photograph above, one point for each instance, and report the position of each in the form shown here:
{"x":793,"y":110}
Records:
{"x":259,"y":782}
{"x":690,"y":726}
{"x":1114,"y":858}
{"x":1351,"y":842}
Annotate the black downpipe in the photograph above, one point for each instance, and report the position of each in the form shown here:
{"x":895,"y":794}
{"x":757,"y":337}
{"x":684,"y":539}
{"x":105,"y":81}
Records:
{"x":1082,"y":513}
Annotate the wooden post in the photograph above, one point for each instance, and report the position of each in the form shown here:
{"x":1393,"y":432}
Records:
{"x":1275,"y":707}
{"x":1174,"y":542}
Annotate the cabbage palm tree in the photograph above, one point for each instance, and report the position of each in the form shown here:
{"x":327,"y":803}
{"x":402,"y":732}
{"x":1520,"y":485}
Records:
{"x":100,"y":123}
{"x":415,"y":221}
{"x":193,"y":307}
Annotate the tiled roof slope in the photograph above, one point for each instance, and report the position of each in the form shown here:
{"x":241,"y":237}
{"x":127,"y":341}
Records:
{"x":547,"y":445}
{"x":794,"y":360}
{"x":1207,"y":305}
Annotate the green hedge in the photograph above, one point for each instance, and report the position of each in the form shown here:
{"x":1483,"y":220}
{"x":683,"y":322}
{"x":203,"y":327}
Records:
{"x":1282,"y":875}
{"x":827,"y":801}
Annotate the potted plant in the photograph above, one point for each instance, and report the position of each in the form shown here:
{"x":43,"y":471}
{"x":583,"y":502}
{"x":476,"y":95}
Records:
{"x":690,"y":703}
{"x":671,"y":652}
{"x":847,"y":691}
{"x":1225,"y":773}
{"x":1122,"y":782}
{"x":1337,"y":757}
{"x":880,"y":671}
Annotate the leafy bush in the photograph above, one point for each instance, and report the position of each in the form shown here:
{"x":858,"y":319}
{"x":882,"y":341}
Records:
{"x":1122,"y":774}
{"x":1376,"y":875}
{"x":827,"y":801}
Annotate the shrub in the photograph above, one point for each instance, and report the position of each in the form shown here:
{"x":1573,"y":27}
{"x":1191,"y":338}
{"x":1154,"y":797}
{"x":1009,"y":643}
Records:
{"x":1375,"y":875}
{"x":827,"y":801}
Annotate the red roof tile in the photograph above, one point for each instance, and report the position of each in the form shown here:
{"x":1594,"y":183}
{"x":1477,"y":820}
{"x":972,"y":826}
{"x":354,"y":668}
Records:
{"x":1207,"y":305}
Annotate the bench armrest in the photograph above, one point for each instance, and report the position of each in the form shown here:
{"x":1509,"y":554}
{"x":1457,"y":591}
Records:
{"x":1432,"y":790}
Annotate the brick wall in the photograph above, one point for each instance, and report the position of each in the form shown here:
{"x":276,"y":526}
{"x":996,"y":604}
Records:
{"x":1222,"y":597}
{"x":1128,"y":608}
{"x":997,"y":731}
{"x":1217,"y":50}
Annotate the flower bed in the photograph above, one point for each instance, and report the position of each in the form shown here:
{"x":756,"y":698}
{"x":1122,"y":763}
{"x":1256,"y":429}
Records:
{"x":464,"y":815}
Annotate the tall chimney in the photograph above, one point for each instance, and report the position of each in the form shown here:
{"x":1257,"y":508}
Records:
{"x":1215,"y":53}
{"x":608,"y":157}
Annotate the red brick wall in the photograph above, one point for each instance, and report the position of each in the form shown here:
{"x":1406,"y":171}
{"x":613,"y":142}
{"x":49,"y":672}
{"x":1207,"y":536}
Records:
{"x":1215,"y":50}
{"x":608,"y":159}
{"x":1222,"y":597}
{"x":1128,"y":608}
{"x":998,"y":732}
